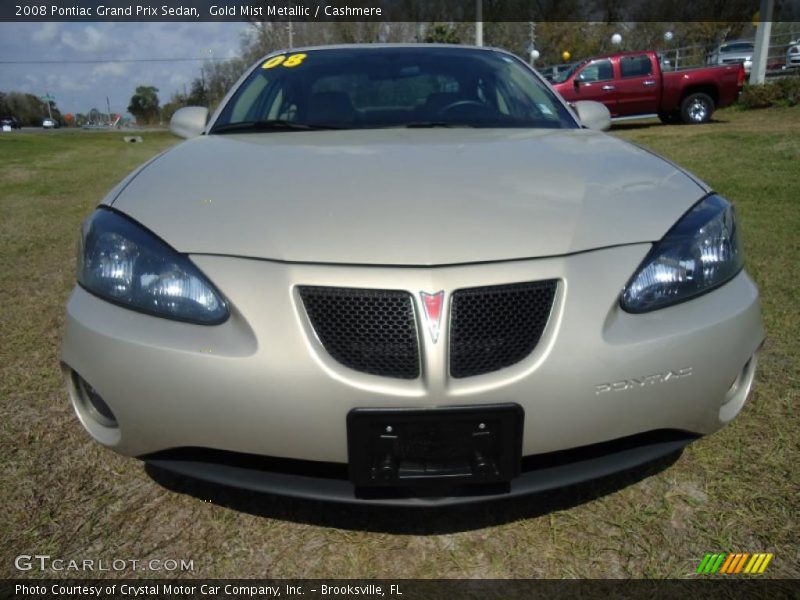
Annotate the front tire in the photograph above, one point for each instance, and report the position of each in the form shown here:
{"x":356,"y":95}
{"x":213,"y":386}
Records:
{"x":697,"y":108}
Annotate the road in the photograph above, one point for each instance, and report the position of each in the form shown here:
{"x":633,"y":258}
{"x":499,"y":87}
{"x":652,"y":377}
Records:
{"x":60,"y":130}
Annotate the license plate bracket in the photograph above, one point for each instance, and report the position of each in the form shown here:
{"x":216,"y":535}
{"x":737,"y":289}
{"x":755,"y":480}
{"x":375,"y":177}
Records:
{"x":412,"y":447}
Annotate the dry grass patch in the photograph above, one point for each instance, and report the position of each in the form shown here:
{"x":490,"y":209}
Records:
{"x":68,"y":497}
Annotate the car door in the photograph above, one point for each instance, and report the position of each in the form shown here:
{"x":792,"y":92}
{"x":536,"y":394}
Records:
{"x":595,"y":81}
{"x":638,"y":86}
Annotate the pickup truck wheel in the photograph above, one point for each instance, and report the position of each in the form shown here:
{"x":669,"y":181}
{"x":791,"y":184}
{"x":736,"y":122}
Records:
{"x":697,"y":108}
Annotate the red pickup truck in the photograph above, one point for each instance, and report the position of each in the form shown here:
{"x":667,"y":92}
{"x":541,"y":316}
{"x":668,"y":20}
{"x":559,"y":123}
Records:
{"x":632,"y":84}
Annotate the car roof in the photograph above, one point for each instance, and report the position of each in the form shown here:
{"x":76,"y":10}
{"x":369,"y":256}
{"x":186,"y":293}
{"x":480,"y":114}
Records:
{"x":369,"y":47}
{"x":613,"y":54}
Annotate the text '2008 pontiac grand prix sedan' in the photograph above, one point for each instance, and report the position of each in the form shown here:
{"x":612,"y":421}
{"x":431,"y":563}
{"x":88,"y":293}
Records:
{"x":406,"y":275}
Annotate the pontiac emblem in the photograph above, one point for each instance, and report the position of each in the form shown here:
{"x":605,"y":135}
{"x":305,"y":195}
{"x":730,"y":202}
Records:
{"x":432,"y":308}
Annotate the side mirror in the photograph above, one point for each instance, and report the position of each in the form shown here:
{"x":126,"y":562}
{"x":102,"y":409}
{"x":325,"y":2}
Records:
{"x":189,"y":122}
{"x":577,"y":82}
{"x":593,"y":115}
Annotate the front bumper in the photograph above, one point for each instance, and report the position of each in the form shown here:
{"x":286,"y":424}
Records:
{"x":329,"y":481}
{"x":262,"y":384}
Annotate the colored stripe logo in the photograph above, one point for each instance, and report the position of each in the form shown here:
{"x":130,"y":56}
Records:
{"x":731,"y":564}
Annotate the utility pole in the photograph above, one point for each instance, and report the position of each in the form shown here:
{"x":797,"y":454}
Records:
{"x":207,"y":91}
{"x":48,"y":99}
{"x":759,"y":69}
{"x":290,"y":30}
{"x":479,"y":23}
{"x":210,"y":79}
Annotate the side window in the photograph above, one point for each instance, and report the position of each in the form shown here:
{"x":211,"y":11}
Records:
{"x":600,"y":70}
{"x":635,"y":66}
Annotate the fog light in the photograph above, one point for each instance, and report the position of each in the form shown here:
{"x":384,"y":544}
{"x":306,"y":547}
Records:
{"x":93,"y":412}
{"x":735,"y":397}
{"x":743,"y":380}
{"x":93,"y":403}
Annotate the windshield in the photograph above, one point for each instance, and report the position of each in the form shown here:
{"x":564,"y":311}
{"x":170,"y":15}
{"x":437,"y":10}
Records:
{"x":562,"y":76}
{"x":738,"y":47}
{"x":353,"y":88}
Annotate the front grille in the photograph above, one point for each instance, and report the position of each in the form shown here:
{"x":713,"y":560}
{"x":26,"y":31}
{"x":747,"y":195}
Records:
{"x":497,"y":326}
{"x":372,"y":331}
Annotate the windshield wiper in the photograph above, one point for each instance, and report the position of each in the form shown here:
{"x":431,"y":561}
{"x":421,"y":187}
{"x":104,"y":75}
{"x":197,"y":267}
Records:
{"x":270,"y":125}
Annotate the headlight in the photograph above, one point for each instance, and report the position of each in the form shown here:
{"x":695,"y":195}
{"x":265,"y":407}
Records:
{"x":124,"y":263}
{"x":702,"y":251}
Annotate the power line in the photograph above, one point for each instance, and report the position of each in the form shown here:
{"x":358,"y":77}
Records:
{"x":108,"y":60}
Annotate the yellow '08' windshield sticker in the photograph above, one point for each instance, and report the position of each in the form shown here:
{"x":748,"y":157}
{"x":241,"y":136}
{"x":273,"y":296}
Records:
{"x":293,"y":60}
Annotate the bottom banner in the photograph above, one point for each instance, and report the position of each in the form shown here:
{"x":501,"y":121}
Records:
{"x":403,"y":589}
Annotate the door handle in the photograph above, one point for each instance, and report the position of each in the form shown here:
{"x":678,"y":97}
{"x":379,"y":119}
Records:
{"x":608,"y":88}
{"x":649,"y":82}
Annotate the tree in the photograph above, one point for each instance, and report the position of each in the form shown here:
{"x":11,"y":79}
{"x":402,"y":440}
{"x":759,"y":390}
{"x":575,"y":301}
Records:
{"x":29,"y":109}
{"x":442,"y":34}
{"x":144,"y":104}
{"x":198,"y":93}
{"x":178,"y":100}
{"x":219,"y":78}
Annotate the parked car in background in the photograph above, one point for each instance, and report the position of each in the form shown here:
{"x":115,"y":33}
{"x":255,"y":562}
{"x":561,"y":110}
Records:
{"x":793,"y":55}
{"x":10,"y":121}
{"x":633,"y":84}
{"x":49,"y":123}
{"x":733,"y":52}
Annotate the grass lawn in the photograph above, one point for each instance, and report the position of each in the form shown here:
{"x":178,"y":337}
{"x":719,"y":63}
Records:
{"x":66,"y":496}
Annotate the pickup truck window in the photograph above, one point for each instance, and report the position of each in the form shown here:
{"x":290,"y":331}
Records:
{"x":600,"y":70}
{"x":635,"y":66}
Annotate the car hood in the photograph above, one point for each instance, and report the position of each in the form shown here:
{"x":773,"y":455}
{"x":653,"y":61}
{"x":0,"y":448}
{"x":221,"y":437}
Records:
{"x":406,"y":196}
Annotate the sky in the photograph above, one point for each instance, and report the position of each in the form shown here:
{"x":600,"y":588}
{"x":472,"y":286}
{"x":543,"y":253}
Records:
{"x":80,"y":87}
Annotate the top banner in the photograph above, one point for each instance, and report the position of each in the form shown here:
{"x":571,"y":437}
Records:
{"x":446,"y":11}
